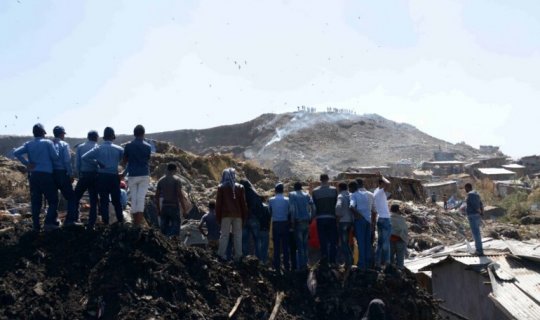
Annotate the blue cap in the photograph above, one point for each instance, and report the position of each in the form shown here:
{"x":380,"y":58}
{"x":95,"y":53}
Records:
{"x":92,"y":135}
{"x":38,"y":130}
{"x":58,"y":130}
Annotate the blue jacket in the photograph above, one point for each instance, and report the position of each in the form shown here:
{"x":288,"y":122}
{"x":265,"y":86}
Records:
{"x":85,"y":165}
{"x":64,"y":157}
{"x":108,"y":155}
{"x":40,"y":152}
{"x":279,"y":207}
{"x":300,"y":203}
{"x":137,"y":155}
{"x":474,"y":203}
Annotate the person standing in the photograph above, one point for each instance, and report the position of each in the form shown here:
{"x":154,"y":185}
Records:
{"x":345,"y":219}
{"x":399,"y":237}
{"x":300,"y":207}
{"x":475,"y":211}
{"x":384,"y":226}
{"x":169,"y":200}
{"x":209,"y":221}
{"x":136,"y":157}
{"x":108,"y":156}
{"x":325,"y":199}
{"x":231,"y":211}
{"x":252,"y":225}
{"x":279,"y":208}
{"x":362,"y":205}
{"x":264,"y":234}
{"x":63,"y":175}
{"x":40,"y":155}
{"x":86,"y":171}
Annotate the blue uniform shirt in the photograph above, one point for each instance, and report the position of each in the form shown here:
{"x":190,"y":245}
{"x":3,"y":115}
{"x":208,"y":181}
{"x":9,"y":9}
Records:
{"x":107,"y":155}
{"x":64,"y":157}
{"x":300,"y":203}
{"x":40,"y":152}
{"x":86,"y":165}
{"x":279,"y":207}
{"x":137,"y":153}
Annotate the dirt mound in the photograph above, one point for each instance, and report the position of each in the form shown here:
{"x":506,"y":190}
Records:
{"x":129,"y":273}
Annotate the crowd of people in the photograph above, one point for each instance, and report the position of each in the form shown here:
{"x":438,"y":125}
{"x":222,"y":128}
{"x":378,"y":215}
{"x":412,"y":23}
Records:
{"x":239,"y":220}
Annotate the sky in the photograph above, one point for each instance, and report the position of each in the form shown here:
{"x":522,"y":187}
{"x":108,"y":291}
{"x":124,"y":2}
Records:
{"x":458,"y":70}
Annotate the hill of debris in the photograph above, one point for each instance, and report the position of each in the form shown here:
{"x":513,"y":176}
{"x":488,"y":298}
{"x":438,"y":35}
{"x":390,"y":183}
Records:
{"x":123,"y":272}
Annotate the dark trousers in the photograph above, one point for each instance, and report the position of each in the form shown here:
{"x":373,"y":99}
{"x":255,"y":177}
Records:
{"x":328,"y":238}
{"x":251,"y":231}
{"x":87,"y":181}
{"x":42,"y":184}
{"x":280,"y":235}
{"x":170,"y":221}
{"x":63,"y":183}
{"x":109,"y":185}
{"x":362,"y":232}
{"x":293,"y":250}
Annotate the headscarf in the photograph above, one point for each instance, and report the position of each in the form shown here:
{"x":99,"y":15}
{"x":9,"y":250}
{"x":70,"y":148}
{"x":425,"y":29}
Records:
{"x":228,"y":179}
{"x":375,"y":310}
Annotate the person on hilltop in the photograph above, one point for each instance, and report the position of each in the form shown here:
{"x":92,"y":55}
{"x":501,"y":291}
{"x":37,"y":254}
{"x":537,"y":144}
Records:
{"x":209,"y":221}
{"x":108,"y":156}
{"x":231,"y":211}
{"x":399,"y":237}
{"x":279,"y":208}
{"x":169,"y":200}
{"x":40,"y":155}
{"x":63,"y":175}
{"x":300,"y":207}
{"x":252,"y":225}
{"x":362,"y":204}
{"x":136,"y":158}
{"x":384,"y":226}
{"x":475,"y":211}
{"x":86,"y":171}
{"x":325,"y":200}
{"x":345,"y":219}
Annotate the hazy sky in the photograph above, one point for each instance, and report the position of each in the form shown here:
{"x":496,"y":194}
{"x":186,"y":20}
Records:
{"x":459,"y":70}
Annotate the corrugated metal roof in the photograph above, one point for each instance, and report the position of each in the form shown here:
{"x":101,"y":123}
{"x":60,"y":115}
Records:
{"x":525,"y":274}
{"x":526,"y":249}
{"x":514,"y":166}
{"x":495,"y":171}
{"x":439,"y":184}
{"x":450,"y":162}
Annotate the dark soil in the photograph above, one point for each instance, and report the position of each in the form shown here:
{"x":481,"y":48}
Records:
{"x":124,"y":272}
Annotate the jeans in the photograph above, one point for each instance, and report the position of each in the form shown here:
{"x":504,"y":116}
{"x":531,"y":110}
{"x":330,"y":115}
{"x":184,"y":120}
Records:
{"x":280,"y":235}
{"x":398,"y":250}
{"x":362,"y":232}
{"x":327,"y":230}
{"x":226,"y":225}
{"x":264,"y":237}
{"x":170,"y":221}
{"x":138,"y":186}
{"x":251,"y":231}
{"x":87,"y":181}
{"x":344,"y":231}
{"x":301,"y":231}
{"x":109,"y":184}
{"x":42,"y":184}
{"x":63,"y":183}
{"x":384,"y":229}
{"x":293,"y":250}
{"x":475,"y":220}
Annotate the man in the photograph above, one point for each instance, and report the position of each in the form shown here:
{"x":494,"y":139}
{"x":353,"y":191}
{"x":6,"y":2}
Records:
{"x":136,"y":156}
{"x":264,"y":232}
{"x":384,"y":226}
{"x":279,"y":208}
{"x":108,"y":156}
{"x":399,"y":237}
{"x":231,"y":211}
{"x":362,"y":205}
{"x":63,"y":174}
{"x":209,"y":221}
{"x":325,"y":199}
{"x":169,"y":200}
{"x":475,"y":211}
{"x":87,"y":171}
{"x":252,"y":225}
{"x":300,"y":204}
{"x":40,"y":155}
{"x":345,"y":218}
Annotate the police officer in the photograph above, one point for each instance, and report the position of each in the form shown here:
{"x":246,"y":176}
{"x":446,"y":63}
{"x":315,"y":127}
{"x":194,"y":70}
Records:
{"x":63,"y":174}
{"x":86,"y":171}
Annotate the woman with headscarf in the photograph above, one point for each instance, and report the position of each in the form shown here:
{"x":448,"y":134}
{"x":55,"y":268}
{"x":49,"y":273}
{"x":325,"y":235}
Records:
{"x":231,"y":211}
{"x":252,"y":224}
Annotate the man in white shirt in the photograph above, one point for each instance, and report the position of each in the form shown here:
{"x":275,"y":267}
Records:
{"x":384,"y":227}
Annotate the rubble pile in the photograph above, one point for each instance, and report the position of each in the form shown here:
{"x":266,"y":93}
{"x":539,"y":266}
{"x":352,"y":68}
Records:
{"x":122,"y":272}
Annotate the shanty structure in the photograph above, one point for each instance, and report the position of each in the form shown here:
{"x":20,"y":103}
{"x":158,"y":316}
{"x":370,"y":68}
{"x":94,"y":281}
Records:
{"x":495,"y":174}
{"x":404,"y":189}
{"x":441,"y":188}
{"x":503,"y":284}
{"x":444,"y":168}
{"x":517,"y":168}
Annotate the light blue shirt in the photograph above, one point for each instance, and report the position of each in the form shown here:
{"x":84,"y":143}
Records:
{"x":107,"y":155}
{"x":40,"y":152}
{"x":137,"y":153}
{"x":279,"y":207}
{"x":86,"y":165}
{"x":64,"y":157}
{"x":362,"y":201}
{"x":300,"y":203}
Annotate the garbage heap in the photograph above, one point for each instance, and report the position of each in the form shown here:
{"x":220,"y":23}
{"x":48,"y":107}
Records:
{"x":124,"y":272}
